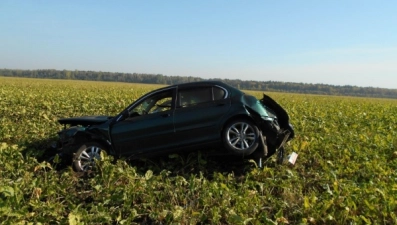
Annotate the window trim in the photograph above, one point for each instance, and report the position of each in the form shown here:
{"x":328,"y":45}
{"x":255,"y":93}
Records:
{"x":226,"y":92}
{"x":178,"y":101}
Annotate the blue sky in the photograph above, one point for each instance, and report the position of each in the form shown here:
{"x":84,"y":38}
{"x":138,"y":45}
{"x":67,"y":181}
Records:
{"x":332,"y":42}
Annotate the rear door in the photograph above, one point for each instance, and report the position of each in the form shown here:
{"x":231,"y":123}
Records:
{"x":198,"y":112}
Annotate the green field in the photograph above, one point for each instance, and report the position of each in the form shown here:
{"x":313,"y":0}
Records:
{"x":345,"y":173}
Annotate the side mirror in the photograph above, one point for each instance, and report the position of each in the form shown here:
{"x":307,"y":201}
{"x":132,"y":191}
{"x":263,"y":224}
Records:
{"x":125,"y":114}
{"x":122,"y":116}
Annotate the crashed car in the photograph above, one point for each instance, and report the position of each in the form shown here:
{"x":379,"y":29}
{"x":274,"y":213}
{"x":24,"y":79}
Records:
{"x":180,"y":117}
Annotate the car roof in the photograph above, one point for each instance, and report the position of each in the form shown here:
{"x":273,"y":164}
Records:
{"x":198,"y":83}
{"x":208,"y":83}
{"x":232,"y":91}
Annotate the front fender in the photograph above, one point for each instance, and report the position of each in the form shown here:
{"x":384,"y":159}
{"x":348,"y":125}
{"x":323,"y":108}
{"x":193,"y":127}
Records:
{"x":71,"y":139}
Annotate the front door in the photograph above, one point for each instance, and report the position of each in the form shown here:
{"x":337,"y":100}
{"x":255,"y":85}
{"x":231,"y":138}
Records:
{"x":149,"y":127}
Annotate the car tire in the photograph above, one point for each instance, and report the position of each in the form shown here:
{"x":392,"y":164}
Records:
{"x":241,"y":137}
{"x":85,"y":156}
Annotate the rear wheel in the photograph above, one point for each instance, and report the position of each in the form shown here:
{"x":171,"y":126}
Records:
{"x":84,"y":158}
{"x":241,"y":137}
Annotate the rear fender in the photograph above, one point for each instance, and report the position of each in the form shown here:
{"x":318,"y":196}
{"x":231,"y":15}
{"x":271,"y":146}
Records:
{"x":268,"y":133}
{"x":253,"y":114}
{"x":268,"y":128}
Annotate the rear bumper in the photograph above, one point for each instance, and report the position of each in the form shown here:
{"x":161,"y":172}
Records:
{"x":283,"y":137}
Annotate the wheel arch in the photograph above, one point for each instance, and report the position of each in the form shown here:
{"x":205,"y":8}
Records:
{"x":241,"y":117}
{"x":236,"y":117}
{"x":82,"y":137}
{"x":245,"y":113}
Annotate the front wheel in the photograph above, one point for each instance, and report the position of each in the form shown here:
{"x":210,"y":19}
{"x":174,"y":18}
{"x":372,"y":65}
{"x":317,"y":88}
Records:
{"x":84,"y":158}
{"x":241,"y":137}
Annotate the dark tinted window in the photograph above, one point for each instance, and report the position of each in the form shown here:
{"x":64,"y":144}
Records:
{"x":219,"y":93}
{"x":194,"y":96}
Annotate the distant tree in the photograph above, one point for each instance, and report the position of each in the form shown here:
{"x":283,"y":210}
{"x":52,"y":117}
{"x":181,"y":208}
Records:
{"x":240,"y":84}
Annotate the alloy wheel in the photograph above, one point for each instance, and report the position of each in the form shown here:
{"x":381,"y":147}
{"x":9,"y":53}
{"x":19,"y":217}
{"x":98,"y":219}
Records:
{"x":241,"y":135}
{"x":86,"y":158}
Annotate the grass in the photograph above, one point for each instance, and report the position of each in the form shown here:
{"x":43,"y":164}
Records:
{"x":345,"y":173}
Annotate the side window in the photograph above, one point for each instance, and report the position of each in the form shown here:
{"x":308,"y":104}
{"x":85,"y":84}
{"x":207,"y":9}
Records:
{"x":194,"y":96}
{"x":161,"y":105}
{"x":219,"y":93}
{"x":159,"y":102}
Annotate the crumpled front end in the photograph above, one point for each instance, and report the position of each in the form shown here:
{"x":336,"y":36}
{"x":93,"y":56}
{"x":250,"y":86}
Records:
{"x":68,"y":141}
{"x":80,"y":130}
{"x":64,"y":146}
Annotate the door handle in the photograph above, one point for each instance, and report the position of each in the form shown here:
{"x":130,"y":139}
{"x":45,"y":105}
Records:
{"x":166,"y":115}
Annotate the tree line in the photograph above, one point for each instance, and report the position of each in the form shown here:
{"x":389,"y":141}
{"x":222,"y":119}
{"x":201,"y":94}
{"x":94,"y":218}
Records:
{"x":274,"y":86}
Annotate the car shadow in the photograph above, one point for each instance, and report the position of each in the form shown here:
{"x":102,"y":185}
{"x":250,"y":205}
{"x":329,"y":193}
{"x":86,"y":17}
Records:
{"x":201,"y":163}
{"x":194,"y":163}
{"x":42,"y":151}
{"x":36,"y":148}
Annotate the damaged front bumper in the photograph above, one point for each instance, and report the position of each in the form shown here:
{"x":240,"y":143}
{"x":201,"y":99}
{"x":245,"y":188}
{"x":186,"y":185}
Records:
{"x":66,"y":143}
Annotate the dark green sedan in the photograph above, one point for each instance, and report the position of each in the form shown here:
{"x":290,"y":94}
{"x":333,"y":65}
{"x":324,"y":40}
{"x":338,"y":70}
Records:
{"x":180,"y":117}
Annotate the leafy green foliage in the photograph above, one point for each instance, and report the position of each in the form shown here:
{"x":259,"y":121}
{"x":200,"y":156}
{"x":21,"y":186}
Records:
{"x":345,"y":173}
{"x":274,"y":86}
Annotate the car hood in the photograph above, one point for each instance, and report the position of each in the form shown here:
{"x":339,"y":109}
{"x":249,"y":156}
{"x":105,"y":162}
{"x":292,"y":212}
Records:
{"x":85,"y":120}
